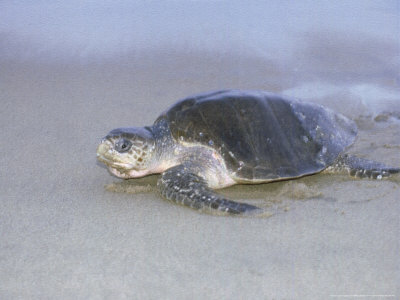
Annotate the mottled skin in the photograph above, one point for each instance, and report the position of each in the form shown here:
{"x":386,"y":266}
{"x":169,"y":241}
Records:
{"x":218,"y":139}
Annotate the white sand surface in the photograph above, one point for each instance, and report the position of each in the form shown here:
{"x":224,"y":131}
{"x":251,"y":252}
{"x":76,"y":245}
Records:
{"x":68,"y":230}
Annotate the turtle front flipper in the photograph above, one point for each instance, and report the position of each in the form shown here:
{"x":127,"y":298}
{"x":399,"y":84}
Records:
{"x":362,"y":168}
{"x":180,"y":185}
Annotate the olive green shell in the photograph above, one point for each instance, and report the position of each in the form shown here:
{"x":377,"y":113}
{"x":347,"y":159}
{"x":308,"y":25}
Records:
{"x":260,"y":135}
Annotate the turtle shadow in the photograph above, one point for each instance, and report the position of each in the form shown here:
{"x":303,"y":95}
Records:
{"x":281,"y":196}
{"x":143,"y":185}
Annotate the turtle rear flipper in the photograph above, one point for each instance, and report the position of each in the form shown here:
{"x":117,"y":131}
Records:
{"x":362,"y":168}
{"x":180,"y":185}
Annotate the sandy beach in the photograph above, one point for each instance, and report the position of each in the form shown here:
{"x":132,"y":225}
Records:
{"x":69,"y":230}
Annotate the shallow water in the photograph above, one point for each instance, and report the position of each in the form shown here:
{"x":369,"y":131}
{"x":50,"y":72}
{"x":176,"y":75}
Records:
{"x":70,"y":230}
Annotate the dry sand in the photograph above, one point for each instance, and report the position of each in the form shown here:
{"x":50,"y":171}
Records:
{"x":71,"y":231}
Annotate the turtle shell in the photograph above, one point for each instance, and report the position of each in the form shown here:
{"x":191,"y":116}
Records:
{"x":262,"y":136}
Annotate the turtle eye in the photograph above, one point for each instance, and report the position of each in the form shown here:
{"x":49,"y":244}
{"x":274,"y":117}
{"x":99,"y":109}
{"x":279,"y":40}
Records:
{"x":123,"y":145}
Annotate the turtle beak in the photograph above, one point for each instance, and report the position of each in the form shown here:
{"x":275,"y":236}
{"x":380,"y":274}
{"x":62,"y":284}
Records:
{"x":107,"y":155}
{"x":104,"y":151}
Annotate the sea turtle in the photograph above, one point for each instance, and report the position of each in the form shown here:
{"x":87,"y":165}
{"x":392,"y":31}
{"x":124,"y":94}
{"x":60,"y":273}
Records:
{"x":221,"y":138}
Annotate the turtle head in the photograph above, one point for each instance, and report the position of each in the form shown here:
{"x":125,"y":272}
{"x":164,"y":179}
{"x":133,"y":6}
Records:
{"x":128,"y":152}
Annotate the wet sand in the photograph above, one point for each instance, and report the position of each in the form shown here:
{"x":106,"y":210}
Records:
{"x":69,"y":230}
